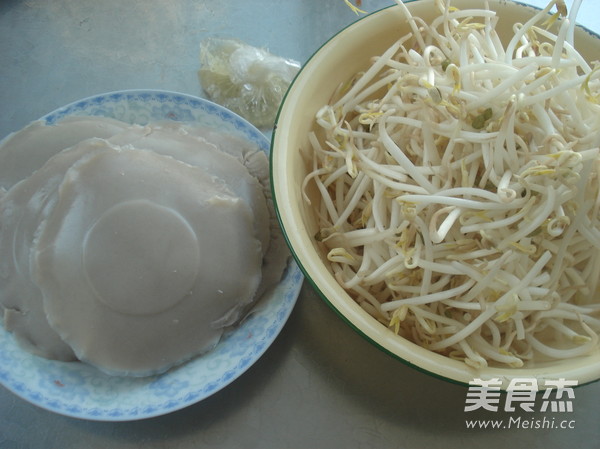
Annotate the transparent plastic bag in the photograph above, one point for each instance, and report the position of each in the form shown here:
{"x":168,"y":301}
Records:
{"x":247,"y":80}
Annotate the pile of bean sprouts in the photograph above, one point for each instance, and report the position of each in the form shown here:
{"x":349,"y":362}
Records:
{"x":457,"y":188}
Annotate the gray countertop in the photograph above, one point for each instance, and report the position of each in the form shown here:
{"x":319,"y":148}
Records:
{"x":320,"y":385}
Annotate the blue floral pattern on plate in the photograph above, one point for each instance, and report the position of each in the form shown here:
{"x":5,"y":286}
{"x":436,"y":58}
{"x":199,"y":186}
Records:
{"x":81,"y":391}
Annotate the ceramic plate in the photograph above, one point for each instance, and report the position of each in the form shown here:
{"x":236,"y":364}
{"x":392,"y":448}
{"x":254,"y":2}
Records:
{"x":79,"y":390}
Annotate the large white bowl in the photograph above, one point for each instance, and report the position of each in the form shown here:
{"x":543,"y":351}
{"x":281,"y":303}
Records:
{"x":346,"y":53}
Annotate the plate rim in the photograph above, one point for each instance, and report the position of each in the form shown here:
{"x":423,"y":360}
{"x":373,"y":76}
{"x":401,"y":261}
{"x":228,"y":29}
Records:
{"x":290,"y":284}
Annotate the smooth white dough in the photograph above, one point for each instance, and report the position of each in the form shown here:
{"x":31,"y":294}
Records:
{"x":173,"y":140}
{"x":257,"y":164}
{"x":150,"y":250}
{"x":24,"y":151}
{"x":132,"y":247}
{"x":22,"y":209}
{"x":249,"y":178}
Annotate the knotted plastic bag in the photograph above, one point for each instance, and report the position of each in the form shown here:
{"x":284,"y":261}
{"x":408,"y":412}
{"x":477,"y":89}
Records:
{"x":247,"y":80}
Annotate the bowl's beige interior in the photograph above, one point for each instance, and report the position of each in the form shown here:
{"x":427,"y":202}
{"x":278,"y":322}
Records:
{"x":344,"y":55}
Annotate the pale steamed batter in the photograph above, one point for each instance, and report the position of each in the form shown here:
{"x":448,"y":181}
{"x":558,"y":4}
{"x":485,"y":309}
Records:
{"x":131,"y":247}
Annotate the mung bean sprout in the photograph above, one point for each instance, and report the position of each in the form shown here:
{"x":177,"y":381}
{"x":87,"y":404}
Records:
{"x":457,"y":188}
